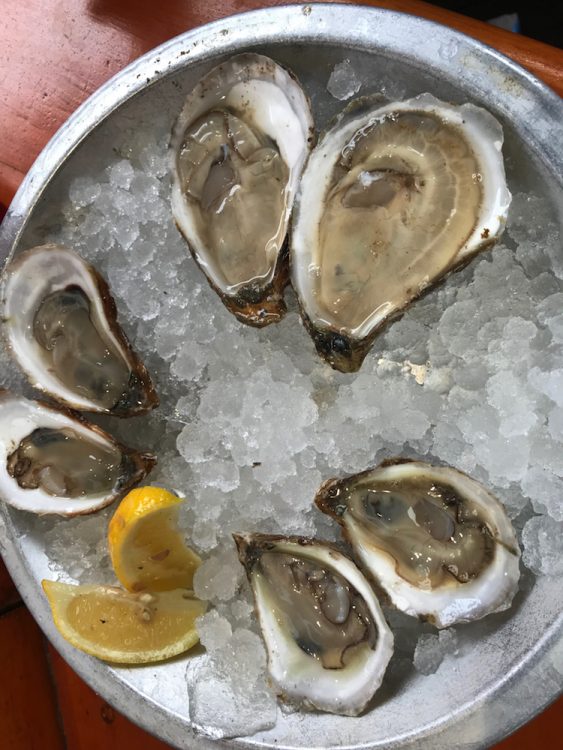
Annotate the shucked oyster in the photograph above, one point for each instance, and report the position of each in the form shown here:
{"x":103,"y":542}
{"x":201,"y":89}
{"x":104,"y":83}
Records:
{"x":62,"y":328}
{"x":327,"y":640}
{"x":393,"y":198}
{"x":435,"y":540}
{"x":53,"y":461}
{"x":237,"y":150}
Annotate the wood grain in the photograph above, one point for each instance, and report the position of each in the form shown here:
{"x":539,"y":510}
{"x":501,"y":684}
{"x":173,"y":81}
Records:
{"x":28,"y":709}
{"x":542,"y":733}
{"x":89,"y":722}
{"x":53,"y":55}
{"x":9,"y":596}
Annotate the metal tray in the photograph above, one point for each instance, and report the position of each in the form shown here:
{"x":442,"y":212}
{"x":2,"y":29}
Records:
{"x":517,"y":668}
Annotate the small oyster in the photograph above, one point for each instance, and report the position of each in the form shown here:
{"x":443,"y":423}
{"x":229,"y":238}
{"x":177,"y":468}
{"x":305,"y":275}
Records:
{"x":54,"y":461}
{"x":436,"y":541}
{"x":393,"y":198}
{"x":62,"y":328}
{"x":328,"y":643}
{"x":237,"y":153}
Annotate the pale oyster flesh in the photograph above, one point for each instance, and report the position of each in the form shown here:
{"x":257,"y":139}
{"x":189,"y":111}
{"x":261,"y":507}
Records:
{"x":328,"y":643}
{"x":392,"y":198}
{"x":434,"y":539}
{"x":76,"y":350}
{"x":62,"y":329}
{"x":53,"y":461}
{"x":62,"y":462}
{"x":237,"y":150}
{"x":236,"y":178}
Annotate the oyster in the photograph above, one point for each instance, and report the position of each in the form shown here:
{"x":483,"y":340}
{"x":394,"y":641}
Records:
{"x":54,"y":461}
{"x":237,"y":153}
{"x":393,"y":198}
{"x":435,"y":540}
{"x":328,"y":643}
{"x":62,"y":328}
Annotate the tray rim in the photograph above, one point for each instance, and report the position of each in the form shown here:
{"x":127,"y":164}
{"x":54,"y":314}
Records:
{"x":320,"y":24}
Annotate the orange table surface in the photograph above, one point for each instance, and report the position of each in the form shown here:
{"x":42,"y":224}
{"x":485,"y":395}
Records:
{"x":54,"y":54}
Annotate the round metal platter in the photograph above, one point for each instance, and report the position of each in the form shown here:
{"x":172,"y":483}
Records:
{"x":516,"y":668}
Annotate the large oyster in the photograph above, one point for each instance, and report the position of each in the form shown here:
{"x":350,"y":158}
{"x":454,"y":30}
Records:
{"x":394,"y":197}
{"x":237,"y":151}
{"x":62,"y":328}
{"x":327,"y":640}
{"x":435,"y":540}
{"x":53,"y":461}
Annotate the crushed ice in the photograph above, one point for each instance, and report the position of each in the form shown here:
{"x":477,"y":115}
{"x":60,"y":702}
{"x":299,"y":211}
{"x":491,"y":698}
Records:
{"x":343,"y":82}
{"x":229,"y":694}
{"x":431,"y":649}
{"x":252,"y":421}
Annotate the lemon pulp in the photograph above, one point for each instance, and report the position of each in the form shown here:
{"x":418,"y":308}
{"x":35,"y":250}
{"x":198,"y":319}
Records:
{"x":122,"y":627}
{"x":147,"y":550}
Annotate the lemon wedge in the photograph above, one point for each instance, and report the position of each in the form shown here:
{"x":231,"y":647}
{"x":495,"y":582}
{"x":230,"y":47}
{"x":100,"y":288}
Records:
{"x":122,"y":627}
{"x":147,"y":550}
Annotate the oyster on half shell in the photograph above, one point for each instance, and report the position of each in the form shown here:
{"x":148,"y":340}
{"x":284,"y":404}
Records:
{"x":394,"y":197}
{"x":434,"y":540}
{"x":328,"y":643}
{"x":237,"y":152}
{"x":54,"y":461}
{"x":62,"y":329}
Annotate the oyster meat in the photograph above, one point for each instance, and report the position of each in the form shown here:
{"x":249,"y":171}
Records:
{"x":62,"y":328}
{"x":394,"y":197}
{"x":436,"y":541}
{"x":54,"y":461}
{"x":237,"y":153}
{"x":328,"y":643}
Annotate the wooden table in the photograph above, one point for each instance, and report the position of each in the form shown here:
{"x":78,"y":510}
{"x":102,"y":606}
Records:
{"x":54,"y":54}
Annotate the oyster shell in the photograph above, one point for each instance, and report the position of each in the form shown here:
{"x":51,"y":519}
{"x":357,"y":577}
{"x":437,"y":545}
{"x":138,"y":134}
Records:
{"x":394,"y":197}
{"x":237,"y":153}
{"x":62,"y":328}
{"x":54,"y":461}
{"x":328,"y":643}
{"x":436,"y":541}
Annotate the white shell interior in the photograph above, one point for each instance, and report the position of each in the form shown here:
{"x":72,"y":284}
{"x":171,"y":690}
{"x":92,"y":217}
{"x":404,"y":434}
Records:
{"x":469,"y":700}
{"x":32,"y":277}
{"x":18,"y":418}
{"x":278,"y":107}
{"x":483,"y":133}
{"x":301,"y":677}
{"x":491,"y":591}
